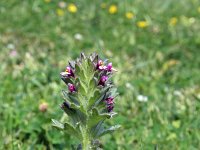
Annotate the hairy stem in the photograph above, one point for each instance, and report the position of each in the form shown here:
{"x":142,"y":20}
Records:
{"x":85,"y":139}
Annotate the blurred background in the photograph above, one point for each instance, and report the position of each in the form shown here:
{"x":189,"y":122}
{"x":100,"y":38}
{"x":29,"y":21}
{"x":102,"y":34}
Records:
{"x":154,"y":45}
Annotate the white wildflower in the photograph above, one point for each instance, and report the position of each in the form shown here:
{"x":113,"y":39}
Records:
{"x":62,"y":4}
{"x":142,"y":98}
{"x":78,"y":36}
{"x":11,"y":46}
{"x":129,"y":86}
{"x":177,"y":93}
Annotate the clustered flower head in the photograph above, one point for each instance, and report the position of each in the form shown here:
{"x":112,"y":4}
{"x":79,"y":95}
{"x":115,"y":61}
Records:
{"x":102,"y":67}
{"x":89,"y":98}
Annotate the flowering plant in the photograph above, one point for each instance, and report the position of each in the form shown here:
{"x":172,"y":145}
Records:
{"x":89,"y":100}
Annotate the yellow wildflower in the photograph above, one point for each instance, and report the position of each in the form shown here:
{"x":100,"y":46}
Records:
{"x":142,"y":24}
{"x":198,"y":9}
{"x":172,"y":62}
{"x":47,"y":1}
{"x":169,"y":64}
{"x":173,"y":21}
{"x":129,"y":15}
{"x":60,"y":12}
{"x":103,"y":5}
{"x":112,"y":9}
{"x":72,"y":8}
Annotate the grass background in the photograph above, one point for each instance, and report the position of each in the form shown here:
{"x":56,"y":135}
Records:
{"x":160,"y":61}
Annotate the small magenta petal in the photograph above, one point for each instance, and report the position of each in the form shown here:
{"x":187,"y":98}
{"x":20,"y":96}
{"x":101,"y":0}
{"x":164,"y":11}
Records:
{"x":103,"y":80}
{"x":110,"y":108}
{"x":69,"y":72}
{"x":109,"y":100}
{"x":100,"y":65}
{"x":71,"y":88}
{"x":109,"y":103}
{"x":109,"y":67}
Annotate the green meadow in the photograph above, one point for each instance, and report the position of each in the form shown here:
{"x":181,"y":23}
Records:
{"x":154,"y":45}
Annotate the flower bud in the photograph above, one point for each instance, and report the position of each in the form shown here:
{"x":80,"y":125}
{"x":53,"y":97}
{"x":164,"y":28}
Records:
{"x":109,"y":67}
{"x":43,"y":107}
{"x":65,"y":105}
{"x":103,"y":80}
{"x":109,"y":100}
{"x":71,"y":87}
{"x":110,"y":108}
{"x":109,"y":103}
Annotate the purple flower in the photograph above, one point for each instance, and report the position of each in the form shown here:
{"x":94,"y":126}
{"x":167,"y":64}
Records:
{"x":109,"y":67}
{"x":109,"y":100}
{"x":71,"y":87}
{"x":69,"y":72}
{"x":103,"y":80}
{"x":109,"y":103}
{"x":110,"y":108}
{"x":100,"y":65}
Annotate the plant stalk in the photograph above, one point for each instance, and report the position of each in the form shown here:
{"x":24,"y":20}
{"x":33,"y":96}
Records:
{"x":86,"y":140}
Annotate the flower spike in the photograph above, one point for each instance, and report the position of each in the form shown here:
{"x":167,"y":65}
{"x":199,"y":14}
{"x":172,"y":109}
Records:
{"x":89,"y":99}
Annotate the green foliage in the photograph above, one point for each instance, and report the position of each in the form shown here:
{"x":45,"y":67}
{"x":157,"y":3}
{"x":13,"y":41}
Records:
{"x":160,"y":62}
{"x":82,"y":101}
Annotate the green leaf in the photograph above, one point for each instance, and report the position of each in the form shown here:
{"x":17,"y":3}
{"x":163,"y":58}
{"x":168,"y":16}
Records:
{"x":89,"y":70}
{"x":96,"y":96}
{"x":114,"y":92}
{"x":72,"y":64}
{"x":68,"y":128}
{"x":82,"y":87}
{"x":95,"y":130}
{"x":95,"y":118}
{"x":57,"y":124}
{"x":73,"y":130}
{"x":70,"y":97}
{"x":77,"y":69}
{"x":109,"y":130}
{"x":92,"y":85}
{"x":83,"y":56}
{"x":94,"y":57}
{"x":75,"y":112}
{"x":78,"y":108}
{"x":66,"y":79}
{"x":73,"y":98}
